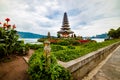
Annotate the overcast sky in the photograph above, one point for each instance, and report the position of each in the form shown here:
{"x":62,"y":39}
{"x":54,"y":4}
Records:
{"x":86,"y":17}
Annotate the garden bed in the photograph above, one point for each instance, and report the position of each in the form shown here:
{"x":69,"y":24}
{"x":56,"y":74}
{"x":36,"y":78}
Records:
{"x":67,"y":53}
{"x":41,"y":66}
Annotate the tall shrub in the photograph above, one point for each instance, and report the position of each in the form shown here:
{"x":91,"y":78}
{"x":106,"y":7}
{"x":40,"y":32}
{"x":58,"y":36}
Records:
{"x":114,"y":33}
{"x":38,"y":70}
{"x":8,"y":38}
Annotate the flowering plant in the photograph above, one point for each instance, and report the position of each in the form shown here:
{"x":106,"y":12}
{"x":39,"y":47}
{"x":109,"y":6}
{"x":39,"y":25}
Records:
{"x":8,"y":38}
{"x":83,"y":41}
{"x":8,"y":26}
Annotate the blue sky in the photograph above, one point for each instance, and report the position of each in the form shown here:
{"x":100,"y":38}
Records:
{"x":86,"y":17}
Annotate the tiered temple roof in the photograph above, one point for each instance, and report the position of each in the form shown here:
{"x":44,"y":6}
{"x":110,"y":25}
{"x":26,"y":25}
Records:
{"x":65,"y":30}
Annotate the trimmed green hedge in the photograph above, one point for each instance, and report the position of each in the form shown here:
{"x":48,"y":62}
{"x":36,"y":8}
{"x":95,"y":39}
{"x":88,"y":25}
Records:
{"x":69,"y":54}
{"x":35,"y":46}
{"x":56,"y":48}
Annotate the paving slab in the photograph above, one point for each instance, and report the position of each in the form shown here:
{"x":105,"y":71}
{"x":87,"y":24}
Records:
{"x":111,"y":69}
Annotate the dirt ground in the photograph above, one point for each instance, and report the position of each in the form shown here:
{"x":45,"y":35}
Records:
{"x":15,"y":69}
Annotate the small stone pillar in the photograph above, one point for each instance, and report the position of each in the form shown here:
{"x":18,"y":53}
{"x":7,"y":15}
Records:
{"x":47,"y":50}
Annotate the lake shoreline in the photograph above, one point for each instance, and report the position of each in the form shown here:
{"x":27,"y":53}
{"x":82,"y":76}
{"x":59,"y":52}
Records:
{"x":34,"y":40}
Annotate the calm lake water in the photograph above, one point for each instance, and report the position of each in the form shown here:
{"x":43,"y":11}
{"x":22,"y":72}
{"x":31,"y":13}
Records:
{"x":30,"y":40}
{"x":98,"y":39}
{"x":34,"y":41}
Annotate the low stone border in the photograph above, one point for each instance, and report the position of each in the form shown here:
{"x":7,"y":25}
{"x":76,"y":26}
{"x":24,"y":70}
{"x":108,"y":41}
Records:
{"x":81,"y":66}
{"x":27,"y":57}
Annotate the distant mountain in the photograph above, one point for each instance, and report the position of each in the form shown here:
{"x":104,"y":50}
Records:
{"x":101,"y":36}
{"x":30,"y":35}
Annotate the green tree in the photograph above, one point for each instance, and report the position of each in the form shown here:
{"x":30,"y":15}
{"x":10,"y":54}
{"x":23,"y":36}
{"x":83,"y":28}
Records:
{"x":49,"y":35}
{"x":114,"y":33}
{"x":118,"y":32}
{"x":74,"y":35}
{"x":58,"y":35}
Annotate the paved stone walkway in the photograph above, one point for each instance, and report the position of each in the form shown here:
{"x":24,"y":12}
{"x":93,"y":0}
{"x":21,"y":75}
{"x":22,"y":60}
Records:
{"x":111,"y":69}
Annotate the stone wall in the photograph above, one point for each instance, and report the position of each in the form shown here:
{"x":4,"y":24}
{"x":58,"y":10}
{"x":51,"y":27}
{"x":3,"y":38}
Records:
{"x":83,"y":65}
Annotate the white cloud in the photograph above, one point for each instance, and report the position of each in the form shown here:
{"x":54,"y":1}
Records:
{"x":86,"y":17}
{"x":98,"y":27}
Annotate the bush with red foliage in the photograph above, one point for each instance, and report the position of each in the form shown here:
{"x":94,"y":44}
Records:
{"x":53,"y":41}
{"x":83,"y":41}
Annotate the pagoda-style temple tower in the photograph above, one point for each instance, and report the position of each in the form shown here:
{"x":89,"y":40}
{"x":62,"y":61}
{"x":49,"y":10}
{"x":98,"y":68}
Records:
{"x":65,"y":30}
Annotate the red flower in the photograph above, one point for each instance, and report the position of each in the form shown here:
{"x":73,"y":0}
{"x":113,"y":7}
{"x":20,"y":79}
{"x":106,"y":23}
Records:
{"x":0,"y":23}
{"x":4,"y":25}
{"x":8,"y":26}
{"x":7,"y":19}
{"x":14,"y":26}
